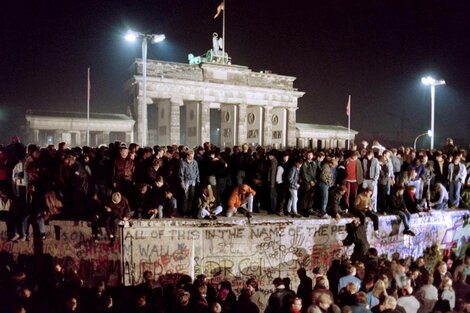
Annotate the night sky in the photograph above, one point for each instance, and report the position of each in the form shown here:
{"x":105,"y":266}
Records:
{"x":377,"y":51}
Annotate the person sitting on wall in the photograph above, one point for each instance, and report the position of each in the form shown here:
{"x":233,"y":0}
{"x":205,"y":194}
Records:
{"x":162,"y":201}
{"x":362,"y":208}
{"x":207,"y":207}
{"x":442,"y":197}
{"x":335,"y":208}
{"x":409,"y":196}
{"x":141,"y":200}
{"x":241,"y":200}
{"x":118,"y":210}
{"x":397,"y":207}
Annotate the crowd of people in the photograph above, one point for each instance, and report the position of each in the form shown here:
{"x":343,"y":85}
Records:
{"x":374,"y":284}
{"x":107,"y":184}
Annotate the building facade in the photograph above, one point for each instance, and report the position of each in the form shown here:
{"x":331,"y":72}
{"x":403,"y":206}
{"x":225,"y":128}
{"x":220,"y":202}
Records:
{"x":214,"y":102}
{"x":319,"y":136}
{"x":48,"y":127}
{"x":51,"y":127}
{"x":194,"y":103}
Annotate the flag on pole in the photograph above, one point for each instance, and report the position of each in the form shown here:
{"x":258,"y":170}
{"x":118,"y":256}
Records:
{"x":220,"y":8}
{"x":348,"y":106}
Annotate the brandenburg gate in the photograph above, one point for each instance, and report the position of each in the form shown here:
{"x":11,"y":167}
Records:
{"x":211,"y":101}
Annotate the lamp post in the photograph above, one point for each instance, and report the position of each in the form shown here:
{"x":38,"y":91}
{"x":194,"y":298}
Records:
{"x":429,"y":133}
{"x":155,"y":38}
{"x":430,"y":81}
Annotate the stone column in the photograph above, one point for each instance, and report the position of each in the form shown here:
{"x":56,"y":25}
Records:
{"x":78,"y":138}
{"x":175,"y":104}
{"x":139,"y":119}
{"x":106,"y":137}
{"x":267,"y":126}
{"x":291,"y":121}
{"x":130,"y":137}
{"x":36,"y":136}
{"x":242,"y":124}
{"x":205,"y":120}
{"x":58,"y":137}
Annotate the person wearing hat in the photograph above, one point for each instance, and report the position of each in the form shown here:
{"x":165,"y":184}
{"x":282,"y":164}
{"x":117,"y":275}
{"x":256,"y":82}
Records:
{"x":241,"y":199}
{"x":118,"y":209}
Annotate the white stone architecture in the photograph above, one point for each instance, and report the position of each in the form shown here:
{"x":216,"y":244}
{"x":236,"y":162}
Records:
{"x":189,"y":104}
{"x":52,"y":127}
{"x":317,"y":136}
{"x":221,"y":103}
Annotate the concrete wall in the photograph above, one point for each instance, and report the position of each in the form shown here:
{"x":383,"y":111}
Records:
{"x":71,"y":244}
{"x":233,"y":249}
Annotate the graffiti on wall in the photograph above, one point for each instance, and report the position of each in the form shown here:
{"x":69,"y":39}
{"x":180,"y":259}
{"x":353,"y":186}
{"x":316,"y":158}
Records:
{"x":73,"y":247}
{"x":265,"y":251}
{"x":221,"y":250}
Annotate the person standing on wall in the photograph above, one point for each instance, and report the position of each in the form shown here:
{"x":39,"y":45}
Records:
{"x":189,"y":177}
{"x":371,"y":169}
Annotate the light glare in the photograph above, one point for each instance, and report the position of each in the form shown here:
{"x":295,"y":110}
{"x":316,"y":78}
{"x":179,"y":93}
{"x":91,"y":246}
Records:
{"x":131,"y":36}
{"x":430,"y":81}
{"x":158,"y":38}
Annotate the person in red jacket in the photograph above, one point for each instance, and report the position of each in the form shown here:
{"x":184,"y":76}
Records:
{"x":241,"y":199}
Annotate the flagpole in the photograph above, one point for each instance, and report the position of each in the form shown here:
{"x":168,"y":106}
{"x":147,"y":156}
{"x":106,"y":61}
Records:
{"x":349,"y":122}
{"x":223,"y":32}
{"x":88,"y":110}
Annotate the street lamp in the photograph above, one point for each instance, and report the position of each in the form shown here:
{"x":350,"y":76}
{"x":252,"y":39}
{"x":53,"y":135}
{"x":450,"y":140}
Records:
{"x":430,"y":81}
{"x":429,"y":133}
{"x":154,"y":38}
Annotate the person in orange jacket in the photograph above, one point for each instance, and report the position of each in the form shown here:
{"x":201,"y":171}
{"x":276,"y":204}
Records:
{"x":241,"y":199}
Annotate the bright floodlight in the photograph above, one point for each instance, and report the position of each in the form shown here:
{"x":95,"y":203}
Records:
{"x":429,"y":133}
{"x":430,"y":81}
{"x":131,"y":36}
{"x":158,"y":38}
